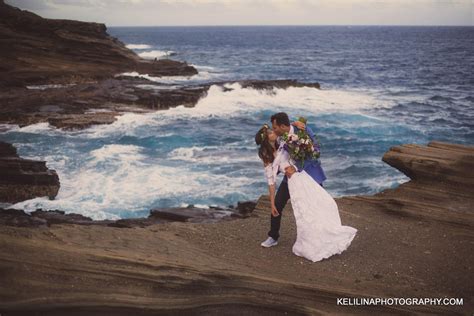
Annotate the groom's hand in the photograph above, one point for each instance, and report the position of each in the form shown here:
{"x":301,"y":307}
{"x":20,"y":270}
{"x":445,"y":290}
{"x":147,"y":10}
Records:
{"x":289,"y":171}
{"x":299,"y":125}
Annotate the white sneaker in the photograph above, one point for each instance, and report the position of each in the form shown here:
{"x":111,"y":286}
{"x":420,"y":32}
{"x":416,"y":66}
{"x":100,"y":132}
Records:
{"x":270,"y":242}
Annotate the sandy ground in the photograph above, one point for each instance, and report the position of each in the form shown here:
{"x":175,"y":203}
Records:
{"x":221,"y":267}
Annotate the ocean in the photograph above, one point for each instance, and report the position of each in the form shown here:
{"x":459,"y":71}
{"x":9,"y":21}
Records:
{"x":380,"y":87}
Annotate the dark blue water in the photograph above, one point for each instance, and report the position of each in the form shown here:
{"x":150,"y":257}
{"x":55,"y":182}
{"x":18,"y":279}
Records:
{"x":381,"y":86}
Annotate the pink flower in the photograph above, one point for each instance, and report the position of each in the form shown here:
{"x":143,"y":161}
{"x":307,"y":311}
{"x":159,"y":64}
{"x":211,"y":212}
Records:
{"x":293,"y":137}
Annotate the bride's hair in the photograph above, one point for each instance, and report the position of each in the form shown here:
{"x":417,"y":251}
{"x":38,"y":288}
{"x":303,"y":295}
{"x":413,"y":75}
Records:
{"x":265,"y":152}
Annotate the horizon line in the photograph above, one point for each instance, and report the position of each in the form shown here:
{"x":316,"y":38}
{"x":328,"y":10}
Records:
{"x":298,"y":25}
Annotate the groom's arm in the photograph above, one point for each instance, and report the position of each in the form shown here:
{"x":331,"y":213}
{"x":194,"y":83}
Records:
{"x":313,"y":138}
{"x":310,"y":133}
{"x":303,"y":126}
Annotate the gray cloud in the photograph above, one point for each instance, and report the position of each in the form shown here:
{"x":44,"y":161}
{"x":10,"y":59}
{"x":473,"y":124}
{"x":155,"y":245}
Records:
{"x":30,"y":4}
{"x":257,"y":12}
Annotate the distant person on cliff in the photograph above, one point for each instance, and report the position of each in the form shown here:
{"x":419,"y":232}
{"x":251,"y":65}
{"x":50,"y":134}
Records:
{"x":292,"y":149}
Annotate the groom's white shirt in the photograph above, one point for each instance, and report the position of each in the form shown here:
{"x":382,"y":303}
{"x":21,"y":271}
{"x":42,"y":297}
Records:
{"x":280,"y":143}
{"x":280,"y":163}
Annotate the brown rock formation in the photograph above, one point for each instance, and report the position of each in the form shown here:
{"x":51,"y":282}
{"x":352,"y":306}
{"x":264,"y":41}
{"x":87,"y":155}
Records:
{"x":40,"y":218}
{"x":441,"y":186}
{"x":23,"y":179}
{"x":406,"y":247}
{"x":443,"y":164}
{"x":34,"y":50}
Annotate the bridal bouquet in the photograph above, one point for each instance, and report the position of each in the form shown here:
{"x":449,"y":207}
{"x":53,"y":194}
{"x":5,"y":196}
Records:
{"x":300,"y":146}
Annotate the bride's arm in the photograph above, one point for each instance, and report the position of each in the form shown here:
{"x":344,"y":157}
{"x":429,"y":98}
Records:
{"x":270,"y":175}
{"x":271,"y":191}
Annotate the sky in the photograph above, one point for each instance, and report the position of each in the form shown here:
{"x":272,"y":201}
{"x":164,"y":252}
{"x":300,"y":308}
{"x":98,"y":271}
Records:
{"x":255,"y":12}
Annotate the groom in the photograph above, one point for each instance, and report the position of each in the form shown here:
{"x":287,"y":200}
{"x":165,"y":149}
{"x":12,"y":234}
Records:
{"x":281,"y":125}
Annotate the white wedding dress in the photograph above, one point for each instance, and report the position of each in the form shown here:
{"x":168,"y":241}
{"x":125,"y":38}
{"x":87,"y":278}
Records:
{"x":320,"y":233}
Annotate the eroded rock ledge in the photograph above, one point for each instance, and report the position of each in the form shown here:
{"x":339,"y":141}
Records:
{"x":23,"y":179}
{"x":441,"y":186}
{"x":191,"y":214}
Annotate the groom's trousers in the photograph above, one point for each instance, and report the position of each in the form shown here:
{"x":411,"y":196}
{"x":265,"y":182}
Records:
{"x":281,"y":198}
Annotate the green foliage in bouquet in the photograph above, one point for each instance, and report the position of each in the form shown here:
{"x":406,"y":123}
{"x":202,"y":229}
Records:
{"x":300,"y":146}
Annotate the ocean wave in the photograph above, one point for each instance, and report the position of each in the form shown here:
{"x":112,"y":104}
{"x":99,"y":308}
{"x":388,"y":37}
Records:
{"x":235,"y":101}
{"x":38,"y":128}
{"x":116,"y":152}
{"x":201,"y":77}
{"x":184,"y":205}
{"x":156,"y":54}
{"x":138,"y":46}
{"x":205,"y":74}
{"x":6,"y":127}
{"x":208,"y":68}
{"x":344,"y":186}
{"x":349,"y":175}
{"x":213,"y":155}
{"x":130,"y":124}
{"x":469,"y":99}
{"x":119,"y":178}
{"x":441,"y":98}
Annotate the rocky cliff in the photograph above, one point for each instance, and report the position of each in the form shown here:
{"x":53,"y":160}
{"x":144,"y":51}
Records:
{"x":34,"y":50}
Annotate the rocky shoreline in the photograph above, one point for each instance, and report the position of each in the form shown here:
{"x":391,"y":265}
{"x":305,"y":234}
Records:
{"x":38,"y":51}
{"x":70,"y":74}
{"x":82,"y":105}
{"x":413,"y":241}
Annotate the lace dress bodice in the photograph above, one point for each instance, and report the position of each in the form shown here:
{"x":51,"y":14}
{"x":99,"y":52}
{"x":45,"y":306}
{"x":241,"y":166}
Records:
{"x":282,"y":161}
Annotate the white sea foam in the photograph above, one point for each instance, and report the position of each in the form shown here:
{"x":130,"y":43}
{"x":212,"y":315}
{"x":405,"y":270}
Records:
{"x":138,"y":46}
{"x":37,"y":128}
{"x":205,"y":74}
{"x":207,"y":68}
{"x":183,"y":205}
{"x":156,"y":54}
{"x":127,"y":124}
{"x":117,"y":178}
{"x":5,"y":128}
{"x":211,"y":155}
{"x":298,"y":100}
{"x":50,"y":86}
{"x":202,"y":76}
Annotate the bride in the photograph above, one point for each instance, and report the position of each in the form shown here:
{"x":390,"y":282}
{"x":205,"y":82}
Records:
{"x":320,"y":233}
